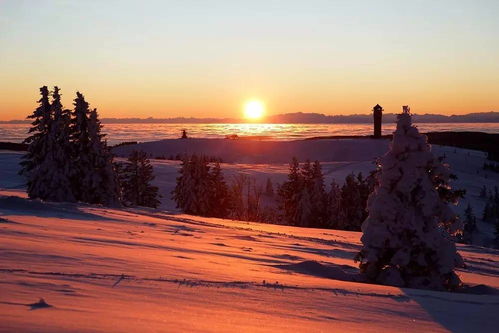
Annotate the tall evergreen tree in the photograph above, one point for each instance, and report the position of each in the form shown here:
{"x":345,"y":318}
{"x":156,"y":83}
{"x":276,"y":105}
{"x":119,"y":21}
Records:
{"x":405,"y":241}
{"x":103,"y":182}
{"x":193,"y":188}
{"x":318,"y":196}
{"x":184,"y":184}
{"x":238,"y":206}
{"x":352,"y":208}
{"x":80,"y":140}
{"x":35,"y":163}
{"x":219,"y":196}
{"x":289,"y":194}
{"x":304,"y":210}
{"x":94,"y":179}
{"x":59,"y":158}
{"x":469,"y":225}
{"x":136,"y":181}
{"x":333,"y":207}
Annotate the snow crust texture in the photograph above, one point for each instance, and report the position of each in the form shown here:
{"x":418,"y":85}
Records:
{"x":144,"y":270}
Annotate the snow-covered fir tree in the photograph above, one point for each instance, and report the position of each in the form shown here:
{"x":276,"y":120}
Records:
{"x":238,"y":205}
{"x":193,"y":190}
{"x":47,"y":163}
{"x":333,"y":206}
{"x":80,"y":140}
{"x":219,"y":195}
{"x":404,"y":239}
{"x":352,"y":206}
{"x":59,"y":160}
{"x":469,"y":226}
{"x":318,"y":196}
{"x":103,"y":180}
{"x":135,"y":178}
{"x":302,"y":198}
{"x":289,"y":194}
{"x":94,"y":178}
{"x":304,"y":210}
{"x":182,"y":194}
{"x":37,"y":163}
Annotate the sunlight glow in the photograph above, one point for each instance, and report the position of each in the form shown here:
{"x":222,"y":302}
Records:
{"x":254,"y":109}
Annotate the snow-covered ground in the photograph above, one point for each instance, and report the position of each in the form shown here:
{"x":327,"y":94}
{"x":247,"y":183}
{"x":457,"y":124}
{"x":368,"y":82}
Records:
{"x":186,"y":273}
{"x":253,"y":151}
{"x":338,"y":158}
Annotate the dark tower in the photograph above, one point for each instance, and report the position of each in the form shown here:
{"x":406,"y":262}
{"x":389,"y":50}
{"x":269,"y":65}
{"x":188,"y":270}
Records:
{"x":377,"y":114}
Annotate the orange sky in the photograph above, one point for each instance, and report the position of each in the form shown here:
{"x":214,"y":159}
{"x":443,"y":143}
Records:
{"x":189,"y":59}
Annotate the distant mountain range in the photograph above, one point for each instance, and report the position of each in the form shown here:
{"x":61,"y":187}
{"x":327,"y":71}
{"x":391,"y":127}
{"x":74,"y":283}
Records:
{"x":307,"y":118}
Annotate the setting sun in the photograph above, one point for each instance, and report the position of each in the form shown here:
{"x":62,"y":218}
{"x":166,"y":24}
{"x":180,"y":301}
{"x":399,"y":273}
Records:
{"x":254,"y":109}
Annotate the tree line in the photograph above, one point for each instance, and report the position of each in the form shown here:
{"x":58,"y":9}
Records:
{"x":302,"y":200}
{"x":68,"y":158}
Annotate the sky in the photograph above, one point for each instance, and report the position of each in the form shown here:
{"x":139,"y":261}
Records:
{"x":206,"y":58}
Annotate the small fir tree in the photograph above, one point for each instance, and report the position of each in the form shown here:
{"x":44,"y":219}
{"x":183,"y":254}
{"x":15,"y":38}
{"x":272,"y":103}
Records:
{"x":289,"y":193}
{"x":469,"y":226}
{"x":352,"y":208}
{"x":136,"y":182}
{"x":333,"y":208}
{"x":219,"y":196}
{"x":318,"y":196}
{"x":194,"y":193}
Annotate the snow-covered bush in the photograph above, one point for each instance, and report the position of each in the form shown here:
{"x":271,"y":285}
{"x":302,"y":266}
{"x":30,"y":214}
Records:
{"x":407,"y":235}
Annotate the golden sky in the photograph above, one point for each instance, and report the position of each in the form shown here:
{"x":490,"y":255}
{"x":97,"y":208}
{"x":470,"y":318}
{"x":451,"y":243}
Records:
{"x":205,"y":59}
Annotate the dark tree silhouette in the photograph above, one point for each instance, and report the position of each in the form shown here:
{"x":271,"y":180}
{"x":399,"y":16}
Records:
{"x":136,"y":176}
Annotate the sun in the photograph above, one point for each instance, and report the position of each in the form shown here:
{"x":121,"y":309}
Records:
{"x":254,"y":109}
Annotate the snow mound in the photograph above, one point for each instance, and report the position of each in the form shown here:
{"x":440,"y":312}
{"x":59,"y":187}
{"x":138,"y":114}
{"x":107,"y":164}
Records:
{"x":44,"y":209}
{"x":330,"y":271}
{"x":481,"y":289}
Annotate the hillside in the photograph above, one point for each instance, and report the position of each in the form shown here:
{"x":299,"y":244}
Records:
{"x":144,"y":270}
{"x":120,"y":270}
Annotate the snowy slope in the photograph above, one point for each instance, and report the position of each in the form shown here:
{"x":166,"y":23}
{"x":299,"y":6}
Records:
{"x":186,"y":273}
{"x":251,"y":151}
{"x":339,"y":158}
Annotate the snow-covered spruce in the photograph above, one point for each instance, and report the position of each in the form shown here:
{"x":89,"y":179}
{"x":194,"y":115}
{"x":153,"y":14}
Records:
{"x":46,"y":165}
{"x":58,"y":163}
{"x":38,"y":147}
{"x":201,"y":189}
{"x":94,"y":178}
{"x":333,"y":205}
{"x":136,"y":177}
{"x":406,"y":237}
